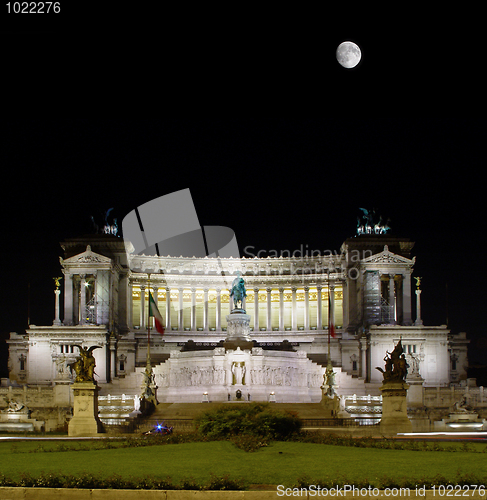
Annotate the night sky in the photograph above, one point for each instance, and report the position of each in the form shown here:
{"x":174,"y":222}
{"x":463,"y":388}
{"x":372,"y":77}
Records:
{"x":400,"y":133}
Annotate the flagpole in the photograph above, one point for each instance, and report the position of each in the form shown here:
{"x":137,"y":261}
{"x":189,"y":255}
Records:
{"x":329,"y":315}
{"x":148,"y":323}
{"x":148,"y":387}
{"x":330,"y":381}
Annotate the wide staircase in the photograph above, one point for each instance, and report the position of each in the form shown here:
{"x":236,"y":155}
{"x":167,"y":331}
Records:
{"x":181,"y":415}
{"x":116,"y":402}
{"x":347,"y":385}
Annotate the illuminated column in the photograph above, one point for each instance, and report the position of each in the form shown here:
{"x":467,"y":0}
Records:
{"x":193,"y":309}
{"x":130,"y":306}
{"x":269,"y":309}
{"x":294,"y":321}
{"x":181,"y":310}
{"x":76,"y":298}
{"x":218,"y":309}
{"x":112,"y":347}
{"x":168,"y":309}
{"x":331,"y":291}
{"x":82,"y":291}
{"x":407,"y":317}
{"x":57,"y":321}
{"x":418,"y":321}
{"x":68,"y":299}
{"x":345,"y":305}
{"x":155,"y":296}
{"x":319,"y":321}
{"x":256,"y":309}
{"x":306,"y":307}
{"x":392,"y":299}
{"x":206,"y":319}
{"x":281,"y":309}
{"x":142,"y":306}
{"x":363,"y":358}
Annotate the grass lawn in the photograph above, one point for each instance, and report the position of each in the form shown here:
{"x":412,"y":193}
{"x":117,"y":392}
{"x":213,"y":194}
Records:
{"x":279,"y":463}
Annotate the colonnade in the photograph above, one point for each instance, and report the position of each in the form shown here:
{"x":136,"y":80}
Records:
{"x":259,"y":321}
{"x":398,"y":296}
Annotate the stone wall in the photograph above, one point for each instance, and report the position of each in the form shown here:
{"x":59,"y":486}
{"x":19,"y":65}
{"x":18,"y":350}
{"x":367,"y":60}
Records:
{"x":51,"y":404}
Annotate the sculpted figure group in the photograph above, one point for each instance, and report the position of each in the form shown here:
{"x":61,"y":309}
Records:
{"x":84,"y":366}
{"x":396,"y":366}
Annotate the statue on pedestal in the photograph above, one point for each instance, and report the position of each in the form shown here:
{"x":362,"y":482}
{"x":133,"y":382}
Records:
{"x":394,"y":392}
{"x":85,"y":421}
{"x":238,"y":292}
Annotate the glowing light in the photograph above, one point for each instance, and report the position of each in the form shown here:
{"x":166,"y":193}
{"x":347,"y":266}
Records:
{"x":477,"y":433}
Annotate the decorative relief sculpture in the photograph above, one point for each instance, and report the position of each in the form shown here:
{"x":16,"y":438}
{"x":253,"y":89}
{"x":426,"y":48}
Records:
{"x":13,"y":406}
{"x":413,"y":363}
{"x":216,"y":375}
{"x":462,"y":406}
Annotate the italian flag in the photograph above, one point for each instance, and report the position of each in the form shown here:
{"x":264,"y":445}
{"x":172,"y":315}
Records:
{"x":154,"y":312}
{"x":331,"y":326}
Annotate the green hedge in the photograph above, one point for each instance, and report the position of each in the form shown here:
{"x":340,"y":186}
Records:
{"x":249,"y":426}
{"x":90,"y":481}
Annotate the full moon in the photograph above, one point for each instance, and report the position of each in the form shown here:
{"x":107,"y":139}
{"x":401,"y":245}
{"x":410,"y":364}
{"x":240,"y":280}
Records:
{"x":348,"y":54}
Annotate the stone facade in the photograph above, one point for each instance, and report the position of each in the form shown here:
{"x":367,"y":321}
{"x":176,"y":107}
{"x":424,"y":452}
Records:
{"x":365,"y":288}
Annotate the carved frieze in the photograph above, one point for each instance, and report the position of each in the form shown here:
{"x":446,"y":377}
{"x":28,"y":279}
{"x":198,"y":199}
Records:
{"x":388,"y":257}
{"x":88,"y":257}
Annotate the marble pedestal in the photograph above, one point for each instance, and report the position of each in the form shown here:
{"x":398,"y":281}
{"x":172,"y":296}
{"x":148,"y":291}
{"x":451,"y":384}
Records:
{"x":238,"y":331}
{"x":394,"y":409}
{"x":239,"y":372}
{"x":331,"y":405}
{"x":260,"y":375}
{"x":415,"y":392}
{"x":85,"y":421}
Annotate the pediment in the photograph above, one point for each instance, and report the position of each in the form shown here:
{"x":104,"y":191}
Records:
{"x":87,"y":257}
{"x":388,"y":257}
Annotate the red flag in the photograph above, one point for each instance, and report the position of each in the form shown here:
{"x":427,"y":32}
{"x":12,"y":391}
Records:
{"x":331,"y":329}
{"x":154,"y":312}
